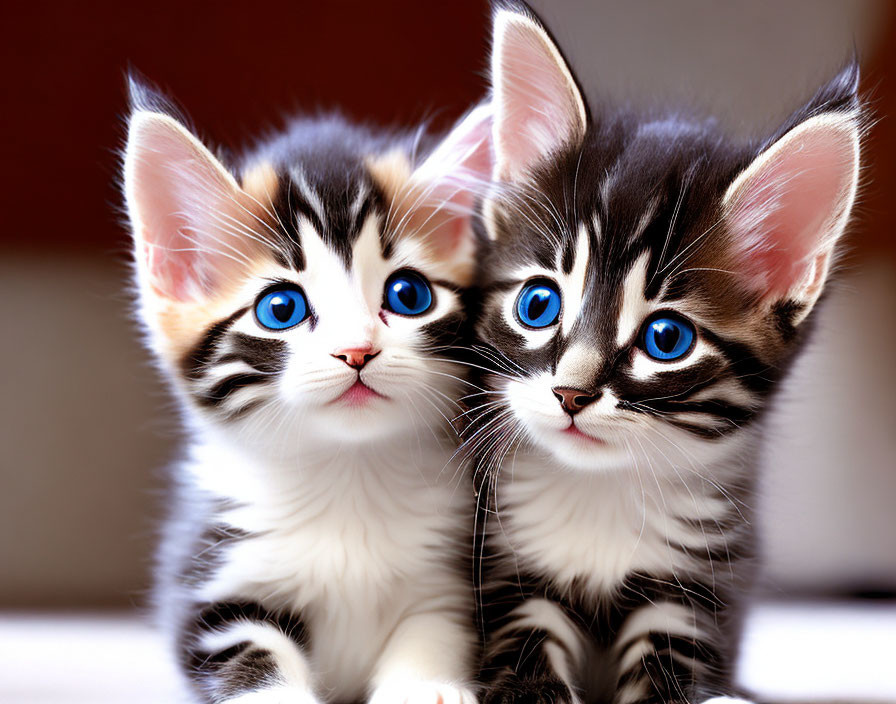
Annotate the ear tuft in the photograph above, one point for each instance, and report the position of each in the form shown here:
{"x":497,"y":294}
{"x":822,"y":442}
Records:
{"x":538,"y":106}
{"x":144,"y":96}
{"x":839,"y":95}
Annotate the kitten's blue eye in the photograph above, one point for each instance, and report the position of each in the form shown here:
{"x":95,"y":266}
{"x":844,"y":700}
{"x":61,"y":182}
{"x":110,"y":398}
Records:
{"x":538,"y":304}
{"x":407,"y":293}
{"x":668,"y":338}
{"x":281,"y":308}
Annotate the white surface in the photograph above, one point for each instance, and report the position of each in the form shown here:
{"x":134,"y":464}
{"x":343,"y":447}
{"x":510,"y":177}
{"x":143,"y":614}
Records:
{"x":83,"y":659}
{"x":811,"y":652}
{"x":792,"y":652}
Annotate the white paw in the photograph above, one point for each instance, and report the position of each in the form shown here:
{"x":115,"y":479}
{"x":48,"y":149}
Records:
{"x":276,"y":695}
{"x":421,"y":692}
{"x":726,"y":700}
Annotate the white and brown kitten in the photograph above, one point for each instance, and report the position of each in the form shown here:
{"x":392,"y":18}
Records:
{"x":648,"y":280}
{"x":303,"y":304}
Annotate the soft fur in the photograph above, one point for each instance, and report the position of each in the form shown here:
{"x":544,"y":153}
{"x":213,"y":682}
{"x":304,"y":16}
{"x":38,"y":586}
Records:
{"x":319,"y":546}
{"x":615,"y":545}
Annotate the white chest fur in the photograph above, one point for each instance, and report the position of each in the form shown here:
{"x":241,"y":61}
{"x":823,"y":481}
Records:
{"x":600,"y":527}
{"x":352,"y":542}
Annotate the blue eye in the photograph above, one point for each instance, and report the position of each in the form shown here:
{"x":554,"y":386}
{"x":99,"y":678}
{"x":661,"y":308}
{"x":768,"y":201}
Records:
{"x":668,"y":338}
{"x":407,"y":293}
{"x":281,"y":308}
{"x":538,"y":304}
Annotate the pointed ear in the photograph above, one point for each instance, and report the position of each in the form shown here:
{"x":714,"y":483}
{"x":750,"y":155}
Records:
{"x":788,"y":209}
{"x":538,"y":106}
{"x":457,"y":171}
{"x":187,"y":211}
{"x":434,"y":202}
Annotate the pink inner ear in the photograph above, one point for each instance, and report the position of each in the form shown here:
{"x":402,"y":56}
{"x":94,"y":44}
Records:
{"x":181,"y":201}
{"x":173,"y":273}
{"x":790,"y":207}
{"x":538,"y":108}
{"x":457,"y":171}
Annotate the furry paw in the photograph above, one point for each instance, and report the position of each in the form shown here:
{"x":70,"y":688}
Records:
{"x":276,"y":695}
{"x":422,"y":692}
{"x":726,"y":700}
{"x":544,"y":690}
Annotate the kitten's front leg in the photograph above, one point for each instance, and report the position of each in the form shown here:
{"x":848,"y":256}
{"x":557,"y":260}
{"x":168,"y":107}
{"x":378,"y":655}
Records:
{"x":664,"y":656}
{"x":241,"y":653}
{"x":428,"y":659}
{"x":533,"y":651}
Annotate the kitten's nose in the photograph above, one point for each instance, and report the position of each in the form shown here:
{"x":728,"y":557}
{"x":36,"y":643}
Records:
{"x":573,"y":400}
{"x":356,"y":357}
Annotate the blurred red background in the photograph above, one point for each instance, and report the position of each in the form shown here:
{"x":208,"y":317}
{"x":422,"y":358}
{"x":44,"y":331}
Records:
{"x":235,"y":68}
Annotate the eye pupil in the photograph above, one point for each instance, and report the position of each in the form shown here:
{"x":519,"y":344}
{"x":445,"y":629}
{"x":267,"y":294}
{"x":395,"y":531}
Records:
{"x":538,"y":305}
{"x":407,"y":293}
{"x":282,"y":308}
{"x":666,"y":336}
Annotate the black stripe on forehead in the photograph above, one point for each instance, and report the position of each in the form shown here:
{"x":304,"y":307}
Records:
{"x":323,"y":179}
{"x":340,"y":207}
{"x":635,"y":188}
{"x":588,"y":227}
{"x":650,"y":185}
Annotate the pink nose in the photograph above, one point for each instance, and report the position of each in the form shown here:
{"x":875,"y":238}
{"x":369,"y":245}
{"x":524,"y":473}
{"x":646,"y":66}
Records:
{"x":356,"y":357}
{"x":573,"y":400}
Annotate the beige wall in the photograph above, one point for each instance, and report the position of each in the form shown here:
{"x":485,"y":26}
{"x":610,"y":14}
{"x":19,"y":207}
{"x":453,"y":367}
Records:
{"x":85,"y":432}
{"x":747,"y":62}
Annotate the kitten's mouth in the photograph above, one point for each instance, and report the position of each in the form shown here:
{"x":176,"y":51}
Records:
{"x":573,"y":430}
{"x":357,"y":395}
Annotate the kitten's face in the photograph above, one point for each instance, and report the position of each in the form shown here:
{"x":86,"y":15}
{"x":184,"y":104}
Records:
{"x":620,"y":345}
{"x":315,"y":302}
{"x":645,"y":281}
{"x":331,"y":350}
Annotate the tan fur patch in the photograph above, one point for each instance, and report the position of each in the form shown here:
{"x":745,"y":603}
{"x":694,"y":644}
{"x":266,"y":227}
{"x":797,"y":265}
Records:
{"x":261,"y":183}
{"x":392,"y":172}
{"x":413,"y":213}
{"x":181,"y":324}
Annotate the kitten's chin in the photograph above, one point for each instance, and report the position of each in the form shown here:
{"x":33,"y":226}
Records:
{"x":579,"y":452}
{"x":354,"y":421}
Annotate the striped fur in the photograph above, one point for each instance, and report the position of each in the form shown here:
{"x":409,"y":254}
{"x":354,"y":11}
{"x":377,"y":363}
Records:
{"x":318,"y":548}
{"x":612,"y":561}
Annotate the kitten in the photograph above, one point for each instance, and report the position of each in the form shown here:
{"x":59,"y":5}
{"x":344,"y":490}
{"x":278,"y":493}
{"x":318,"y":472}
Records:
{"x":647,"y":282}
{"x":303,"y":305}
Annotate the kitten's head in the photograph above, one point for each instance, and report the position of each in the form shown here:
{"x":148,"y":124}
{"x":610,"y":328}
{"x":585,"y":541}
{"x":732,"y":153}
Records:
{"x":312,"y":293}
{"x":647,"y":278}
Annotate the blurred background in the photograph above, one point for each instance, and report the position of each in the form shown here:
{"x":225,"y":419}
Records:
{"x":86,"y":429}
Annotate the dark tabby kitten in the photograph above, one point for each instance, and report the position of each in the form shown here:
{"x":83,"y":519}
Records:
{"x":303,"y":303}
{"x":646,"y":283}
